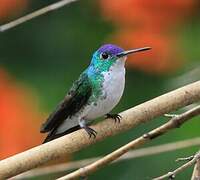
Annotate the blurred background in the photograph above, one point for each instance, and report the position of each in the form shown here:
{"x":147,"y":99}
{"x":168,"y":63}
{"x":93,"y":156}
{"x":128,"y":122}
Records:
{"x":40,"y":59}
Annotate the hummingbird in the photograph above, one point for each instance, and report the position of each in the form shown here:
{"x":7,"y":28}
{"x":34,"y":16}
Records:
{"x":96,"y":92}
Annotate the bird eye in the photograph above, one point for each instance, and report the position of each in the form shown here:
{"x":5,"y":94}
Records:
{"x":104,"y":55}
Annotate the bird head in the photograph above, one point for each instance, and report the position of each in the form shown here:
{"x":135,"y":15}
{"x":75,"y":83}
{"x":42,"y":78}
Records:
{"x":109,"y":54}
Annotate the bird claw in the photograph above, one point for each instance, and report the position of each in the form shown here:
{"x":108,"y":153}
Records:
{"x":116,"y":117}
{"x":91,"y":132}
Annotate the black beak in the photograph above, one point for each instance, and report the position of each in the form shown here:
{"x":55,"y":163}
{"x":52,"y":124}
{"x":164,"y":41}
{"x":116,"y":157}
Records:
{"x":125,"y":53}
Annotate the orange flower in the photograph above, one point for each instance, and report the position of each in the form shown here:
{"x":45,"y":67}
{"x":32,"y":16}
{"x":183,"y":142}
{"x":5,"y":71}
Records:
{"x":144,"y":22}
{"x":20,"y":119}
{"x":162,"y":58}
{"x":10,"y":7}
{"x":145,"y":12}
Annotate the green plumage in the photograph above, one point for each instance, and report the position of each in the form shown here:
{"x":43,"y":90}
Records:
{"x":77,"y":97}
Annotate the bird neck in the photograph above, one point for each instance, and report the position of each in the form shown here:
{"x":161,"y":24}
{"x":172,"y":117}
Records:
{"x":99,"y":68}
{"x":97,"y":75}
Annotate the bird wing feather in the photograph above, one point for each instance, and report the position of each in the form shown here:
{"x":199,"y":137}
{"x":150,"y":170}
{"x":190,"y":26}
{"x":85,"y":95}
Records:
{"x":75,"y":100}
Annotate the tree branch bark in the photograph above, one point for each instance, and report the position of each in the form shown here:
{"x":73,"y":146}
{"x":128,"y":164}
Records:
{"x":171,"y":175}
{"x":196,"y":171}
{"x":148,"y":151}
{"x":35,"y":14}
{"x":78,"y":140}
{"x":175,"y":122}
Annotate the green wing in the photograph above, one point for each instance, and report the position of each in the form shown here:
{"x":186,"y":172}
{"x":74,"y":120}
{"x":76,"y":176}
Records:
{"x":75,"y":100}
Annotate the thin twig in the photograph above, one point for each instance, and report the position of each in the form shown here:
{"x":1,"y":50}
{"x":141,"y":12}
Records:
{"x":78,"y":140}
{"x":35,"y":14}
{"x":175,"y":122}
{"x":171,"y":175}
{"x":170,"y":115}
{"x":185,"y":158}
{"x":196,"y":171}
{"x":64,"y":167}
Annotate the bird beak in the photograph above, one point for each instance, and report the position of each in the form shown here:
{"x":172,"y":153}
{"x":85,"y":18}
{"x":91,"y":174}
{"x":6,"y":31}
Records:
{"x":125,"y":53}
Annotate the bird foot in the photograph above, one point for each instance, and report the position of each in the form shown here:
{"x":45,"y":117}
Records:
{"x":91,"y":132}
{"x":116,"y":117}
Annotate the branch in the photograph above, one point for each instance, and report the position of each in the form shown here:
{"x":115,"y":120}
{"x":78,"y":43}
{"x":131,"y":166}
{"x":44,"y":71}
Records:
{"x":64,"y":167}
{"x":196,"y":171}
{"x":185,"y":158}
{"x":171,"y":175}
{"x":78,"y":140}
{"x":175,"y":122}
{"x":35,"y":14}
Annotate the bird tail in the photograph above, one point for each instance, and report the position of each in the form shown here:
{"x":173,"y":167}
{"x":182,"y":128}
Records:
{"x":52,"y":134}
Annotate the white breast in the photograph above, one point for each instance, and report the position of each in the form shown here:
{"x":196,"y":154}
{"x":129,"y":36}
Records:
{"x":113,"y":86}
{"x":113,"y":89}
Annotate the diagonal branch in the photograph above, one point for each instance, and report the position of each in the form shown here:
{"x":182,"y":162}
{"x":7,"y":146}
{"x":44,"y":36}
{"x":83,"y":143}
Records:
{"x":148,"y":151}
{"x":35,"y":14}
{"x":78,"y":140}
{"x":171,"y":175}
{"x":175,"y":122}
{"x":196,"y":171}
